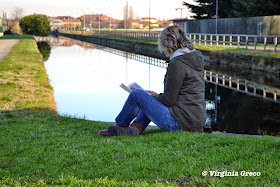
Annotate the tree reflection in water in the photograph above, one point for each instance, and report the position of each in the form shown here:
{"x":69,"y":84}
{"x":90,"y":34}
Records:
{"x":45,"y":49}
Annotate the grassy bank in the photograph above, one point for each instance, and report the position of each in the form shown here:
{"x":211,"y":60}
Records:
{"x":39,"y":147}
{"x":243,"y":51}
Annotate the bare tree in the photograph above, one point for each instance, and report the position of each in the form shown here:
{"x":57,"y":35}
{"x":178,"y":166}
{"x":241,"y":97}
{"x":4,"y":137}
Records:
{"x":4,"y":15}
{"x":124,"y":12}
{"x":17,"y":14}
{"x":130,"y":13}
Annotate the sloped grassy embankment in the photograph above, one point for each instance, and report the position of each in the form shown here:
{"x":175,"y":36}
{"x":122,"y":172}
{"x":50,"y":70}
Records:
{"x":39,"y":147}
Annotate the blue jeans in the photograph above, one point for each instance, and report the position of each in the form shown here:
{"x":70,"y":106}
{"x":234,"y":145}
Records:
{"x":145,"y":108}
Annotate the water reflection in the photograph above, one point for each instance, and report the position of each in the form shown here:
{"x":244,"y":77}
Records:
{"x":45,"y":49}
{"x":86,"y":80}
{"x":240,"y":113}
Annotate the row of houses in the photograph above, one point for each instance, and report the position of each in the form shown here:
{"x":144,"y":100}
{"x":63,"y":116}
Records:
{"x":103,"y":21}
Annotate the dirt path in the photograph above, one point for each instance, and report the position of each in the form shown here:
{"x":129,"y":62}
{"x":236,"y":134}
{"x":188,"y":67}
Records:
{"x":5,"y":47}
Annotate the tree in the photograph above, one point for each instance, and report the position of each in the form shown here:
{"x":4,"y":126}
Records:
{"x":36,"y":24}
{"x":206,"y":9}
{"x":15,"y":28}
{"x":4,"y":15}
{"x":17,"y":14}
{"x":252,"y":8}
{"x":128,"y":14}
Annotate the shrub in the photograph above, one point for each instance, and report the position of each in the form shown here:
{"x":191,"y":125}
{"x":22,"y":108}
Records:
{"x":36,"y":24}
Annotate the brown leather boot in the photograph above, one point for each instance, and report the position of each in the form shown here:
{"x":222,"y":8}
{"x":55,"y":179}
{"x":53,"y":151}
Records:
{"x":135,"y":129}
{"x":138,"y":126}
{"x":106,"y":131}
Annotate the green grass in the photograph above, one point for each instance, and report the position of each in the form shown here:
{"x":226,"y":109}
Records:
{"x":17,"y":36}
{"x":39,"y":147}
{"x":250,"y":52}
{"x":123,"y":30}
{"x":129,"y":39}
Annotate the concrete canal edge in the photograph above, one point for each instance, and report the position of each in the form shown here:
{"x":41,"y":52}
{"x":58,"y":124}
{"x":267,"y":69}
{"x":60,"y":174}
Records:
{"x":230,"y":59}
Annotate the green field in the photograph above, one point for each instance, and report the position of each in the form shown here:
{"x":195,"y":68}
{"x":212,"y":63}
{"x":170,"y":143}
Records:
{"x":38,"y":147}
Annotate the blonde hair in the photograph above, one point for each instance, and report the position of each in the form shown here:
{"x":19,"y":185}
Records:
{"x":173,"y":38}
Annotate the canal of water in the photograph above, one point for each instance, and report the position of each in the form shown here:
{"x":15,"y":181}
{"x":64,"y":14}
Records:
{"x":86,"y":78}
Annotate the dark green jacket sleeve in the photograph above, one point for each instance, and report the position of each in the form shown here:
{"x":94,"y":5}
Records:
{"x":173,"y":80}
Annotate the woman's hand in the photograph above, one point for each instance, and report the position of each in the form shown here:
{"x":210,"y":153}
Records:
{"x":151,"y":92}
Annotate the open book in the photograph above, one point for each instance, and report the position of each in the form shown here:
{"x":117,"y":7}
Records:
{"x":131,"y":87}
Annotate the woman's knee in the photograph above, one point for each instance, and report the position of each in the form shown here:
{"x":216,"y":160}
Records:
{"x":137,"y":92}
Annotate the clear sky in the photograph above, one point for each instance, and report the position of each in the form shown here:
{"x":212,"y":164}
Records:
{"x":160,"y":9}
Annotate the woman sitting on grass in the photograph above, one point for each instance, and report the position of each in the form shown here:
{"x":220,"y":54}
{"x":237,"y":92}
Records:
{"x":181,"y":106}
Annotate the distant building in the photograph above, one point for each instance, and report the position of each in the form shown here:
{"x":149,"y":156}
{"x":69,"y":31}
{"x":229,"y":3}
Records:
{"x":56,"y":24}
{"x":66,"y":22}
{"x":145,"y":22}
{"x":99,"y":20}
{"x":181,"y":22}
{"x":1,"y":28}
{"x":164,"y":23}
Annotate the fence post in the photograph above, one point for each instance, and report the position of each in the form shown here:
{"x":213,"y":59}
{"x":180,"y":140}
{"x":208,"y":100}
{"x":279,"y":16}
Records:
{"x":194,"y":38}
{"x":247,"y":42}
{"x":217,"y":40}
{"x":256,"y":42}
{"x":264,"y":92}
{"x":210,"y":76}
{"x":224,"y":41}
{"x":205,"y":78}
{"x":275,"y":44}
{"x":199,"y":40}
{"x":238,"y":41}
{"x":230,"y":41}
{"x":211,"y":39}
{"x":205,"y":40}
{"x":217,"y":78}
{"x":238,"y":84}
{"x":265,"y":43}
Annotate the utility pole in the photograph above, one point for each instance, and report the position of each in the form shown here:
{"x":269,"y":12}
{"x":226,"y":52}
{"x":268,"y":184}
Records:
{"x":126,"y":17}
{"x":84,"y":22}
{"x":216,"y":16}
{"x":99,"y":23}
{"x":110,"y":19}
{"x":149,"y":18}
{"x":91,"y":23}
